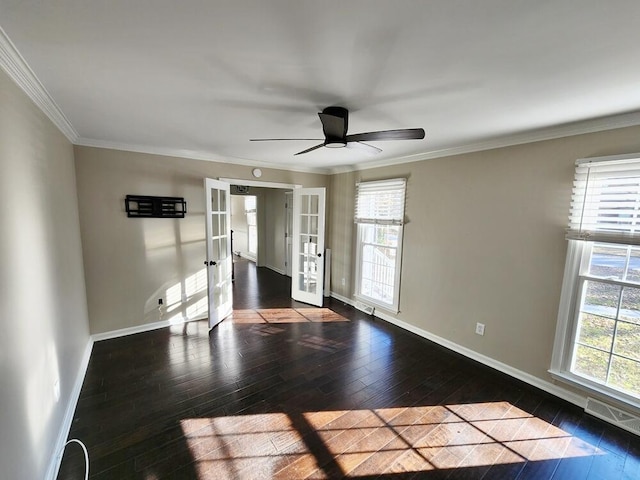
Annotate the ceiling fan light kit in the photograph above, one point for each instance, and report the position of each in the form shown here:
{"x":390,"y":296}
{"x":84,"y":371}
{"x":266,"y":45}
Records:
{"x":335,"y":122}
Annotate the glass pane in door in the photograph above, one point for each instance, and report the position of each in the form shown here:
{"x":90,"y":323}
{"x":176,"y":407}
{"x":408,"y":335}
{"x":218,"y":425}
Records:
{"x":215,"y":200}
{"x":215,"y":225}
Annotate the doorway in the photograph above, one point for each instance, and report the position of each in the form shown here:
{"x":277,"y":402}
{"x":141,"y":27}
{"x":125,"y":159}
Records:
{"x":244,"y":225}
{"x":305,"y":229}
{"x":273,"y":216}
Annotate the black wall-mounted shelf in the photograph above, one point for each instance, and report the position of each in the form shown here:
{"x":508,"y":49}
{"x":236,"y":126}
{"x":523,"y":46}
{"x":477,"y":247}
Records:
{"x":155,"y":207}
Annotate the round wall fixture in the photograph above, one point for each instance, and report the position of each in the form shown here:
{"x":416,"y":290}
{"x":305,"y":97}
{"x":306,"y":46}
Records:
{"x":257,"y":172}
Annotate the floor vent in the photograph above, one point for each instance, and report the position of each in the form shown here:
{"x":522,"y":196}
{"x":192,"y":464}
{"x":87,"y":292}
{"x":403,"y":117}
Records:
{"x":613,"y":415}
{"x":363,"y":307}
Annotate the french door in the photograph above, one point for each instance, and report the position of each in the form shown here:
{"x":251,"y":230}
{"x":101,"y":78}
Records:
{"x":219,"y":260}
{"x":307,"y":279}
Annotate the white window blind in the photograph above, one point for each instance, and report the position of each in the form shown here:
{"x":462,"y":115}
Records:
{"x":381,"y":202}
{"x":605,"y":206}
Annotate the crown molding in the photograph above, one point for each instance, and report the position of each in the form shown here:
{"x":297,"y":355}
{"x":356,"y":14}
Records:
{"x":12,"y":62}
{"x":19,"y":71}
{"x":559,"y":131}
{"x":195,"y":155}
{"x":550,"y":133}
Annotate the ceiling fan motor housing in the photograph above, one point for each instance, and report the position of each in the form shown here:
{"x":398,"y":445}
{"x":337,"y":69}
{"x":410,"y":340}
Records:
{"x":335,"y":130}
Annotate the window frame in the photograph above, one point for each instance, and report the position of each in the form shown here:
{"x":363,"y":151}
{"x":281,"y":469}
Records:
{"x":576,"y":276}
{"x":578,"y":255}
{"x":384,"y":221}
{"x":394,"y":306}
{"x":251,"y":225}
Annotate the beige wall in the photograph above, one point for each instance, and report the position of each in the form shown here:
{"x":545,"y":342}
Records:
{"x":484,"y":242}
{"x":44,"y":331}
{"x":131,"y":262}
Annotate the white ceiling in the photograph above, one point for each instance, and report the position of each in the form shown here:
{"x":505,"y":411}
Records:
{"x":200,"y":78}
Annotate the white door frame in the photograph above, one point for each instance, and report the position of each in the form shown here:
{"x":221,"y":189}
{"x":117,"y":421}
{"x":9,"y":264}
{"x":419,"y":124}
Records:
{"x":288,"y":233}
{"x":259,"y":183}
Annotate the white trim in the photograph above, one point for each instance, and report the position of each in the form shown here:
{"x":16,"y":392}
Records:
{"x":246,"y":255}
{"x":147,"y":327}
{"x":578,"y":258}
{"x":566,"y":310}
{"x":56,"y":459}
{"x":342,"y":299}
{"x":604,"y":393}
{"x":592,"y":161}
{"x":19,"y":71}
{"x":550,"y":133}
{"x":194,"y":155}
{"x":548,"y":387}
{"x":259,"y":183}
{"x":395,"y":307}
{"x":276,"y":269}
{"x":65,"y":428}
{"x":372,"y":301}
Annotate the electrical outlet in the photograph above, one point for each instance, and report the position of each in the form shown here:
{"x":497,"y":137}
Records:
{"x":480,"y":328}
{"x":344,"y":282}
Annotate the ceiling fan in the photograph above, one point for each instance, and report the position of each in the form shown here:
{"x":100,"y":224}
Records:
{"x":335,"y":121}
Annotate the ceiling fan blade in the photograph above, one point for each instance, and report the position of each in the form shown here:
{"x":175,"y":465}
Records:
{"x":365,"y":147}
{"x":284,"y":139}
{"x":403,"y":134}
{"x":310,"y":149}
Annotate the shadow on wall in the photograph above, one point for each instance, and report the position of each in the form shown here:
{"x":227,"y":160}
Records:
{"x":174,"y":253}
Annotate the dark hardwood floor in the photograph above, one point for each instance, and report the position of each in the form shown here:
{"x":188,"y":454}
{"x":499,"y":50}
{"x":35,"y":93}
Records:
{"x":282,"y":390}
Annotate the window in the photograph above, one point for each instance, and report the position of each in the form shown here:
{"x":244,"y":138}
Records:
{"x":250,"y":208}
{"x":379,"y":218}
{"x":598,"y":337}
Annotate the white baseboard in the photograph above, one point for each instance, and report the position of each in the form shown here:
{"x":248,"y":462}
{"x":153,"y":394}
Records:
{"x":276,"y":269}
{"x":548,"y":387}
{"x":343,"y":299}
{"x":56,"y":460}
{"x":147,"y":327}
{"x":544,"y":385}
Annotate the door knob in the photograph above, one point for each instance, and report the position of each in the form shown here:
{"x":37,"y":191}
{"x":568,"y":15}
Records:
{"x":319,"y":254}
{"x":206,"y":263}
{"x":212,"y":263}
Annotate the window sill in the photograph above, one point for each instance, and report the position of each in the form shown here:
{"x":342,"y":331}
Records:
{"x":626,"y":402}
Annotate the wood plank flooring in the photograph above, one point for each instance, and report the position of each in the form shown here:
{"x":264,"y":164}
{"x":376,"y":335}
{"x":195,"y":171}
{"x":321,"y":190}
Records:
{"x":283,"y":390}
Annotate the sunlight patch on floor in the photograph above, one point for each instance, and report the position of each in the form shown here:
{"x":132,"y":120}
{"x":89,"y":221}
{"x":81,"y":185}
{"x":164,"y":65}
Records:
{"x":287,"y":315}
{"x":357,"y":443}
